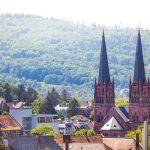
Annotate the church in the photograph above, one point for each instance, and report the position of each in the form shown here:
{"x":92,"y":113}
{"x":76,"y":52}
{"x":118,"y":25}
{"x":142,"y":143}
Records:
{"x":110,"y":120}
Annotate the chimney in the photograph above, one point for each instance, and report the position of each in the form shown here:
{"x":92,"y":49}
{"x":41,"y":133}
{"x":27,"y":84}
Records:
{"x":137,"y":140}
{"x":66,"y":145}
{"x":66,"y":138}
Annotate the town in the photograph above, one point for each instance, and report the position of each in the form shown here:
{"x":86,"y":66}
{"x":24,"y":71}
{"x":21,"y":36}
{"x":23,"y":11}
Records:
{"x":65,"y":123}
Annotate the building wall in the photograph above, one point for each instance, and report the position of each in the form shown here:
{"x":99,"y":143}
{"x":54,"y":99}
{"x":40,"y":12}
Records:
{"x":52,"y":122}
{"x":32,"y":143}
{"x":20,"y":113}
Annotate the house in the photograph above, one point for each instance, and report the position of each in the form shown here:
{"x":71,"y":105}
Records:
{"x":3,"y":105}
{"x":81,"y":142}
{"x":9,"y":126}
{"x":66,"y":128}
{"x":110,"y":120}
{"x":28,"y":121}
{"x":16,"y":105}
{"x":122,"y":143}
{"x":49,"y":119}
{"x":80,"y":121}
{"x":23,"y":117}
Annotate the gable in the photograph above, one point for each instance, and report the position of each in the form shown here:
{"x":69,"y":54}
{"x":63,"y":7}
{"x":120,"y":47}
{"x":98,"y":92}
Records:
{"x":118,"y":115}
{"x":112,"y":124}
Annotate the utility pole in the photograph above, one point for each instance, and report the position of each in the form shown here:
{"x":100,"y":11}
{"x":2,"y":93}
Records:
{"x":145,"y":136}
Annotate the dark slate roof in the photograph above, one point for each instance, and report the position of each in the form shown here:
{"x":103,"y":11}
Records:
{"x":104,"y":75}
{"x":139,"y":70}
{"x":122,"y":115}
{"x":124,"y":111}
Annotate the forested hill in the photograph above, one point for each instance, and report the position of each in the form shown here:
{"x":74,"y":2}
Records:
{"x":36,"y":50}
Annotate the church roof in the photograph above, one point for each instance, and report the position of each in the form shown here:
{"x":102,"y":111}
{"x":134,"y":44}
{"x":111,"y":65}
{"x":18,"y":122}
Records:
{"x":104,"y":75}
{"x":112,"y":124}
{"x":122,"y":115}
{"x":125,"y":111}
{"x":139,"y":70}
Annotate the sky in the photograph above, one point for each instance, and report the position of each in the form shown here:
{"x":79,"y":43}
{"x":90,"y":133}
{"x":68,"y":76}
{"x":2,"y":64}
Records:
{"x":131,"y":13}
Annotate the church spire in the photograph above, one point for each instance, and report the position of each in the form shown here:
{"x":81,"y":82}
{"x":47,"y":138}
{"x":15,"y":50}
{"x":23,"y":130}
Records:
{"x":104,"y":75}
{"x":139,"y":70}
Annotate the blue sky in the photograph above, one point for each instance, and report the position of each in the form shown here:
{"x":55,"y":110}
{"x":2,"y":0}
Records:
{"x":132,"y":13}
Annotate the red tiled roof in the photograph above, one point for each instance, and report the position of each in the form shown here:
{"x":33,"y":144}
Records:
{"x":16,"y":105}
{"x":9,"y":123}
{"x":79,"y":117}
{"x":120,"y":143}
{"x":82,"y":139}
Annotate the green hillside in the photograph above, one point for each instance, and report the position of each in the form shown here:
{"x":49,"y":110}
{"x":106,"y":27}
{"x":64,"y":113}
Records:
{"x":41,"y":52}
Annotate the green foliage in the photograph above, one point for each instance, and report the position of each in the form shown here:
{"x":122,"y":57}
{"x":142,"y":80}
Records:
{"x":38,"y":51}
{"x":36,"y":105}
{"x":73,"y":108}
{"x":84,"y":132}
{"x":45,"y":130}
{"x":47,"y":106}
{"x":139,"y":131}
{"x":60,"y":115}
{"x":42,"y":130}
{"x":12,"y":92}
{"x":54,"y":134}
{"x":46,"y":148}
{"x":121,"y":102}
{"x":91,"y":115}
{"x":5,"y":113}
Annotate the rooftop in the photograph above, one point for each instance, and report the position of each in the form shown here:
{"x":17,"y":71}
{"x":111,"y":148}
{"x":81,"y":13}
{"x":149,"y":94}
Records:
{"x":17,"y":105}
{"x":112,"y":124}
{"x":8,"y":123}
{"x":120,"y":143}
{"x":82,"y":139}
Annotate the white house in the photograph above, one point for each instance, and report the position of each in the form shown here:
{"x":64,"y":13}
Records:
{"x":23,"y":117}
{"x":29,"y":121}
{"x":50,"y":119}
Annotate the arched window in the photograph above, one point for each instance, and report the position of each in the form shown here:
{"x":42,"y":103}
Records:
{"x":145,"y":117}
{"x":135,"y":117}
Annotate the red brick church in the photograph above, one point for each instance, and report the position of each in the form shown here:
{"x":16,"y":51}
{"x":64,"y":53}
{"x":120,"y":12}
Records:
{"x":110,"y":120}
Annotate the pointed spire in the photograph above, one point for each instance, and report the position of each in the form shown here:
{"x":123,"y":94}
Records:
{"x":139,"y":70}
{"x":104,"y":75}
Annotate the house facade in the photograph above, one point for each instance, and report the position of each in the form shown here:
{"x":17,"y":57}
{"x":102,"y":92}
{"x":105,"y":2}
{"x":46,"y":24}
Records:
{"x":28,"y":121}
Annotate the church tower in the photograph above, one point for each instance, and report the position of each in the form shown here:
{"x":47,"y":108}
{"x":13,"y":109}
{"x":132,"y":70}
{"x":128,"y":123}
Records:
{"x":104,"y":89}
{"x":139,"y":89}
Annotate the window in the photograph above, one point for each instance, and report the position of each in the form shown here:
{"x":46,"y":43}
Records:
{"x":48,"y":119}
{"x":26,"y":123}
{"x":41,"y":120}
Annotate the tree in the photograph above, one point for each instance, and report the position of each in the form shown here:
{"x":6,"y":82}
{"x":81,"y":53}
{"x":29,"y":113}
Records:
{"x":64,"y":95}
{"x":64,"y":98}
{"x":21,"y":93}
{"x":84,"y":132}
{"x":47,"y":106}
{"x":55,"y":97}
{"x":45,"y":130}
{"x":139,"y":131}
{"x":8,"y":93}
{"x":73,"y":108}
{"x":32,"y":94}
{"x":42,"y":130}
{"x":121,"y":102}
{"x":36,"y":105}
{"x":60,"y":115}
